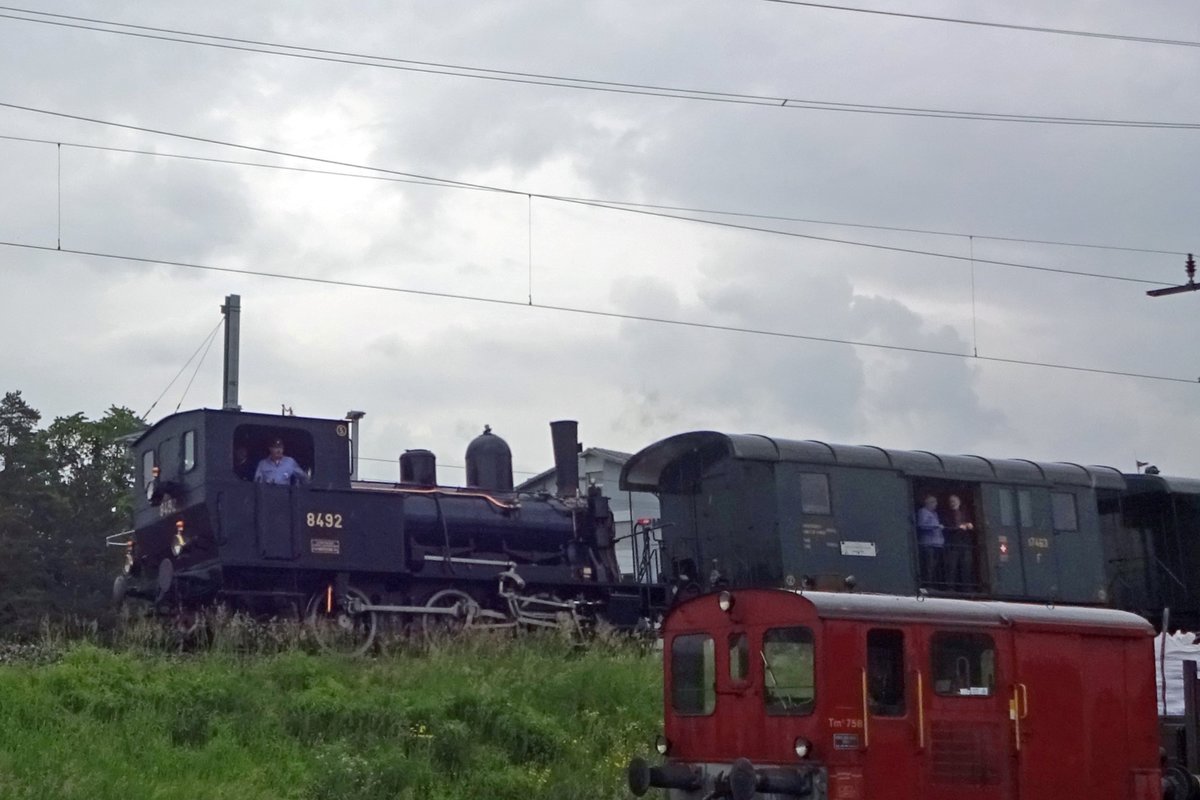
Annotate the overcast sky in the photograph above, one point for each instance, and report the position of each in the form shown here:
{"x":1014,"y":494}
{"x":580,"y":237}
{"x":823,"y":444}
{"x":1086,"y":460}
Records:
{"x":84,"y":332}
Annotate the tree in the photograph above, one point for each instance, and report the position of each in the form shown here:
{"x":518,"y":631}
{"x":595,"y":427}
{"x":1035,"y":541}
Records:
{"x":62,"y":490}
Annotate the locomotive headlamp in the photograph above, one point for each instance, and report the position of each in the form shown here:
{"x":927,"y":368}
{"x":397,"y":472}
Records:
{"x":661,"y":745}
{"x":180,"y":540}
{"x":725,"y":601}
{"x":585,"y":573}
{"x":128,"y":560}
{"x":803,"y":747}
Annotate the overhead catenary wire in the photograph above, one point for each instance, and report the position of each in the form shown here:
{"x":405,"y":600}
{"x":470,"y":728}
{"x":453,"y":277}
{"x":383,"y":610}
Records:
{"x":1120,"y":37}
{"x":203,"y":346}
{"x":599,"y":313}
{"x":212,"y":337}
{"x":559,"y":81}
{"x":448,"y":182}
{"x":608,"y":202}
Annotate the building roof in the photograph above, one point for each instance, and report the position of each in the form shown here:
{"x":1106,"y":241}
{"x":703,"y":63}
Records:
{"x":615,"y":456}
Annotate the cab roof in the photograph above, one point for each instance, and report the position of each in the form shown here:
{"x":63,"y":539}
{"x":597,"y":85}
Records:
{"x":172,"y":421}
{"x":885,"y":609}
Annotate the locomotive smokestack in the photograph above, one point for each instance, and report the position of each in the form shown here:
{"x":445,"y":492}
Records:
{"x":565,"y":435}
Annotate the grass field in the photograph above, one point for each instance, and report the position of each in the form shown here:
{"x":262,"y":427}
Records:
{"x":532,"y":717}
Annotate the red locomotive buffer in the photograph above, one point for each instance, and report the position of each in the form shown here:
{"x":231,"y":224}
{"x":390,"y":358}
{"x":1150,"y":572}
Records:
{"x":780,"y":694}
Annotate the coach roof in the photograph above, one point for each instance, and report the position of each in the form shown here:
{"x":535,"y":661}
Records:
{"x":644,"y":470}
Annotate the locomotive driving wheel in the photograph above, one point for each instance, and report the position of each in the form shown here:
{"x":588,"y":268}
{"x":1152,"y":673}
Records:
{"x":461,"y":612}
{"x":341,"y":625}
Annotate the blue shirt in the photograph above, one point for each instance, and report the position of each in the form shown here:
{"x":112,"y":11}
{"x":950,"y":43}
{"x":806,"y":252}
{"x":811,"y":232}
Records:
{"x":929,"y":528}
{"x":285,"y":472}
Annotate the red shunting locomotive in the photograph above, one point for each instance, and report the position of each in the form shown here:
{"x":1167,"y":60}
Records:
{"x":782,"y":694}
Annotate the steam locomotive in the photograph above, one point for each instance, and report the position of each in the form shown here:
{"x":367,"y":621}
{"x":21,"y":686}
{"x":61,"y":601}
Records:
{"x":347,"y":554}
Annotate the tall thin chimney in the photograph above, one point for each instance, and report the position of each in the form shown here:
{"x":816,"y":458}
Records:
{"x":233,"y":334}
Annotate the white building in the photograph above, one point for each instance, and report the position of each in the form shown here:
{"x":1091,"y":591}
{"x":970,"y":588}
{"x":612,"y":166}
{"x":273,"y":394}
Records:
{"x":601,"y":467}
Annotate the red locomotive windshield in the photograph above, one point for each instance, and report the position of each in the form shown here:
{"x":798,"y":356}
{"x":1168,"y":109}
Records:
{"x":788,"y":671}
{"x":693,"y":674}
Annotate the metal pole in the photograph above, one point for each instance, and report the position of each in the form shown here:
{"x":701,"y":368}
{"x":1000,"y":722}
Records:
{"x":1191,"y":724}
{"x":233,"y":331}
{"x":354,"y":417}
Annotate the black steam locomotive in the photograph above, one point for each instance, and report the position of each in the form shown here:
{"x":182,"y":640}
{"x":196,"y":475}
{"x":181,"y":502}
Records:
{"x":348,"y":554}
{"x":756,"y":511}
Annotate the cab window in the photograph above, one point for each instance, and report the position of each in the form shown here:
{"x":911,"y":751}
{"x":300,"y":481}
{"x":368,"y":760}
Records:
{"x":788,"y":671}
{"x":739,"y":657}
{"x":885,"y":672}
{"x":189,"y":451}
{"x":252,"y":443}
{"x":963,"y":664}
{"x":147,"y":468}
{"x":693,"y":674}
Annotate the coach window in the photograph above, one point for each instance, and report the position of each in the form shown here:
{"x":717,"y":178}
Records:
{"x":1062,"y":505}
{"x":814,"y":493}
{"x":1016,"y":505}
{"x":885,"y":672}
{"x":693,"y":674}
{"x":964,"y":664}
{"x":189,"y":451}
{"x":787,"y":656}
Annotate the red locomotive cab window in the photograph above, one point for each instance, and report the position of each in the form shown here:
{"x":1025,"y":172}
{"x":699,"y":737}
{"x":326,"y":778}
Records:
{"x":885,"y":672}
{"x":693,"y":674}
{"x":964,"y":664}
{"x":739,"y":657}
{"x":788,"y":671}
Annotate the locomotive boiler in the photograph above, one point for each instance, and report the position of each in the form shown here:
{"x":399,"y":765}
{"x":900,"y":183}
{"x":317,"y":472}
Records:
{"x":346,"y":554}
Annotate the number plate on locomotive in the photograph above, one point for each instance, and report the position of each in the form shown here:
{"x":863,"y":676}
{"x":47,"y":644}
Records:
{"x":326,"y":547}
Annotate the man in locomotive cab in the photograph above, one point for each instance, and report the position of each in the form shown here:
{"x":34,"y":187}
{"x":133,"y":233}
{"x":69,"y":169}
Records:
{"x":278,"y":468}
{"x":243,"y":467}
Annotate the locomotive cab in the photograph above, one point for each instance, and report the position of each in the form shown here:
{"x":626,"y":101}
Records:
{"x":197,"y":506}
{"x":778,"y":694}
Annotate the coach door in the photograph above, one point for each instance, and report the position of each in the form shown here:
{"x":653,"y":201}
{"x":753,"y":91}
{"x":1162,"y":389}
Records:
{"x":1024,"y":565}
{"x":892,"y":738}
{"x":966,"y":744}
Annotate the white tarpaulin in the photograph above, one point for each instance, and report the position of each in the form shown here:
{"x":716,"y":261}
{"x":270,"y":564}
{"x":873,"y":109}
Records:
{"x":1170,"y":651}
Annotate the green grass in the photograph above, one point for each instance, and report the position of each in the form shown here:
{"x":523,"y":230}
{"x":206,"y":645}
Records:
{"x":480,"y":717}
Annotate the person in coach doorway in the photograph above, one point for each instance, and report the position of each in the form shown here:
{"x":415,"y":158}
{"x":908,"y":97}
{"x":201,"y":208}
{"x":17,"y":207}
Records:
{"x":930,"y":542}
